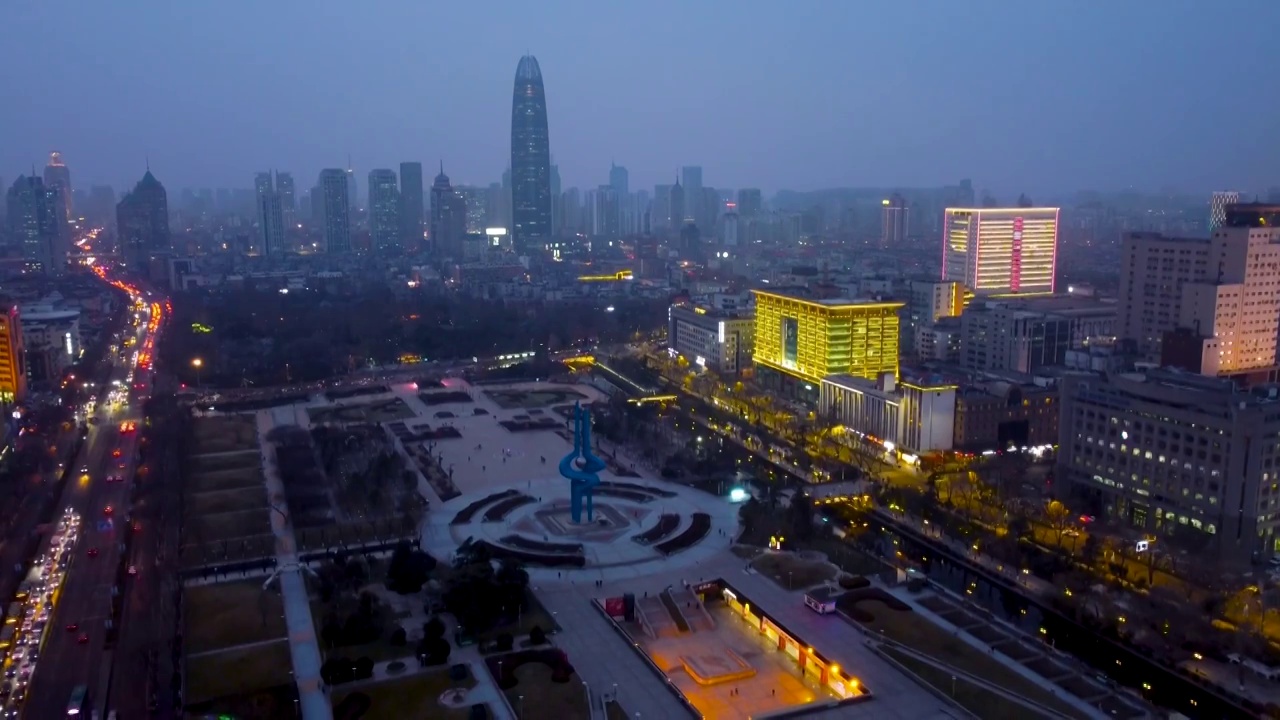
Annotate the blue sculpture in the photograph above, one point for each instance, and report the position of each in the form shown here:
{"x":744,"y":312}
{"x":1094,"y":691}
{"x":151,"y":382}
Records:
{"x":581,"y":467}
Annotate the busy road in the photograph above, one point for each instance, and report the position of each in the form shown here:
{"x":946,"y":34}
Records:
{"x":81,"y":654}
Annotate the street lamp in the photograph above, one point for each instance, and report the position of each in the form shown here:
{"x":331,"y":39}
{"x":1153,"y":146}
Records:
{"x":197,"y":363}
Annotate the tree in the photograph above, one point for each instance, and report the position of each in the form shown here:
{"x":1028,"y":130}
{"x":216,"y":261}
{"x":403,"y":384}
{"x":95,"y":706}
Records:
{"x":399,"y":638}
{"x":433,"y":628}
{"x":1058,"y":517}
{"x":504,"y":642}
{"x":362,"y":668}
{"x":802,"y":515}
{"x":537,"y":636}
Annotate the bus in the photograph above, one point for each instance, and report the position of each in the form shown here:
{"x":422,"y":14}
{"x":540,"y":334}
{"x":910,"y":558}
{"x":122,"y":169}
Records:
{"x":77,"y":704}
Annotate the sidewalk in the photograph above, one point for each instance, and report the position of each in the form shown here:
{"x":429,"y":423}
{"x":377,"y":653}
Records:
{"x":303,"y":647}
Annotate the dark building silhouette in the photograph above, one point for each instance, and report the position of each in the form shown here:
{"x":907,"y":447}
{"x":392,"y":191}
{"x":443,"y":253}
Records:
{"x":58,"y":175}
{"x":530,"y":158}
{"x":448,"y":217}
{"x":34,"y":212}
{"x":384,"y":210}
{"x":335,"y":189}
{"x":675,"y":205}
{"x":142,"y":221}
{"x":411,"y":202}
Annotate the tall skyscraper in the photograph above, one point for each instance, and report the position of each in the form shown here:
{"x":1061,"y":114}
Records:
{"x":1001,"y":250}
{"x":1218,"y":203}
{"x":618,"y":180}
{"x":335,"y":184}
{"x":729,"y":230}
{"x":676,"y":207}
{"x":353,"y":195}
{"x":34,"y":213}
{"x":384,"y":206}
{"x":270,"y":212}
{"x":315,"y":199}
{"x":448,"y":218}
{"x":58,"y":175}
{"x":894,"y":221}
{"x":288,"y":198}
{"x":530,"y":158}
{"x":750,"y":203}
{"x":691,"y":177}
{"x":142,"y":221}
{"x":411,"y":202}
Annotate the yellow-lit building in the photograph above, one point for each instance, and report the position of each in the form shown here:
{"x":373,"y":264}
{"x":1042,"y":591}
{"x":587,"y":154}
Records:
{"x":13,"y":373}
{"x":996,"y":251}
{"x":807,"y":340}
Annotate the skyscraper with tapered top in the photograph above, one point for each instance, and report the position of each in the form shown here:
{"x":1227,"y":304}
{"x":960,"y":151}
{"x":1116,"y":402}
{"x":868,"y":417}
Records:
{"x":530,"y":158}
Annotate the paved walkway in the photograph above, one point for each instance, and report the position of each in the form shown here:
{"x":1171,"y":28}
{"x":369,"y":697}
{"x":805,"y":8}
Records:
{"x":303,"y":647}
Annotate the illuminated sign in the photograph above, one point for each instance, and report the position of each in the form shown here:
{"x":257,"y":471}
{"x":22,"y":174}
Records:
{"x":495,"y":231}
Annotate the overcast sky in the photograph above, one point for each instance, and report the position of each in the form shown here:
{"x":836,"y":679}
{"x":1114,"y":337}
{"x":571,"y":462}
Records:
{"x":1046,"y":96}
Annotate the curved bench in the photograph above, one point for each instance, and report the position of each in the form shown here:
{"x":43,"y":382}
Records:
{"x":524,"y":543}
{"x":667,"y":524}
{"x":695,"y":532}
{"x":466,"y":514}
{"x":498,"y":552}
{"x":653,"y":491}
{"x":624,"y":494}
{"x":500,"y":511}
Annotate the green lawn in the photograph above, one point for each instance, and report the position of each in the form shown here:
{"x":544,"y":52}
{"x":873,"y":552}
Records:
{"x":238,"y":671}
{"x":980,"y":701}
{"x":224,"y":615}
{"x":546,"y":699}
{"x":416,"y":696}
{"x":924,"y":637}
{"x":791,"y":572}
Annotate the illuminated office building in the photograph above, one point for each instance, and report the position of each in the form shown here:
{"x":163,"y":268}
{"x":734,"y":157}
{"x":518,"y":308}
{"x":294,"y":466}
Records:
{"x":799,"y":341}
{"x":996,"y":251}
{"x":13,"y":373}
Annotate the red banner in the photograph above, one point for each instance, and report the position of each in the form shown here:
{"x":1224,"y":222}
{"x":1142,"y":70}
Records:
{"x":614,"y":606}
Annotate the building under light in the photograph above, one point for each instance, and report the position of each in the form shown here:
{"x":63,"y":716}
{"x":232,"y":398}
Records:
{"x":995,"y":251}
{"x":799,"y":341}
{"x":13,"y":373}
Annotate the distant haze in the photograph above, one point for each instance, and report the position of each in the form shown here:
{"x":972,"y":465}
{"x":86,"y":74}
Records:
{"x":1043,"y":97}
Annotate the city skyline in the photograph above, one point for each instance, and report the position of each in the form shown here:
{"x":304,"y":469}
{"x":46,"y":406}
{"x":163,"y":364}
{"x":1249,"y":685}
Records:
{"x":1121,"y":113}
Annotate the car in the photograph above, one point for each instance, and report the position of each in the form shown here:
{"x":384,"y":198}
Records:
{"x":108,"y":511}
{"x":133,"y":570}
{"x":72,"y":627}
{"x":116,"y":453}
{"x":84,"y":469}
{"x":93,"y":552}
{"x":83,"y":639}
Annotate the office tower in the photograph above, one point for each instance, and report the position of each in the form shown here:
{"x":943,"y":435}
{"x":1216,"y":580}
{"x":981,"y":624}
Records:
{"x":557,"y":202}
{"x":618,"y":180}
{"x":1228,"y":319}
{"x":802,"y":340}
{"x":34,"y":214}
{"x":1218,"y":203}
{"x":288,"y":199}
{"x":1001,"y":250}
{"x":270,"y":214}
{"x":710,"y":208}
{"x":603,"y":204}
{"x":729,"y":230}
{"x":692,"y":184}
{"x":530,"y":158}
{"x":411,"y":202}
{"x":58,"y":175}
{"x":573,"y":215}
{"x":474,"y":200}
{"x":142,"y":221}
{"x":353,"y":195}
{"x":13,"y":371}
{"x":448,"y":218}
{"x":894,"y":221}
{"x":335,"y":184}
{"x":711,"y":338}
{"x":384,"y":206}
{"x":1190,"y":454}
{"x":676,"y":206}
{"x":660,"y":212}
{"x":495,"y":206}
{"x":750,"y":202}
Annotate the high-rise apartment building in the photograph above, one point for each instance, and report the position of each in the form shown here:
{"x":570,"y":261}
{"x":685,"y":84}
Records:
{"x":803,"y":340}
{"x":1218,"y":203}
{"x":34,"y":213}
{"x":691,"y":182}
{"x":13,"y":371}
{"x":750,"y":203}
{"x":619,"y":180}
{"x":58,"y":175}
{"x":142,"y":221}
{"x":1165,"y":451}
{"x":530,"y":158}
{"x":336,"y":210}
{"x":384,"y":207}
{"x":270,"y":212}
{"x":411,"y":206}
{"x":1001,"y":250}
{"x":1211,"y":305}
{"x":288,"y":198}
{"x":895,"y":219}
{"x":353,"y":194}
{"x":448,"y":218}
